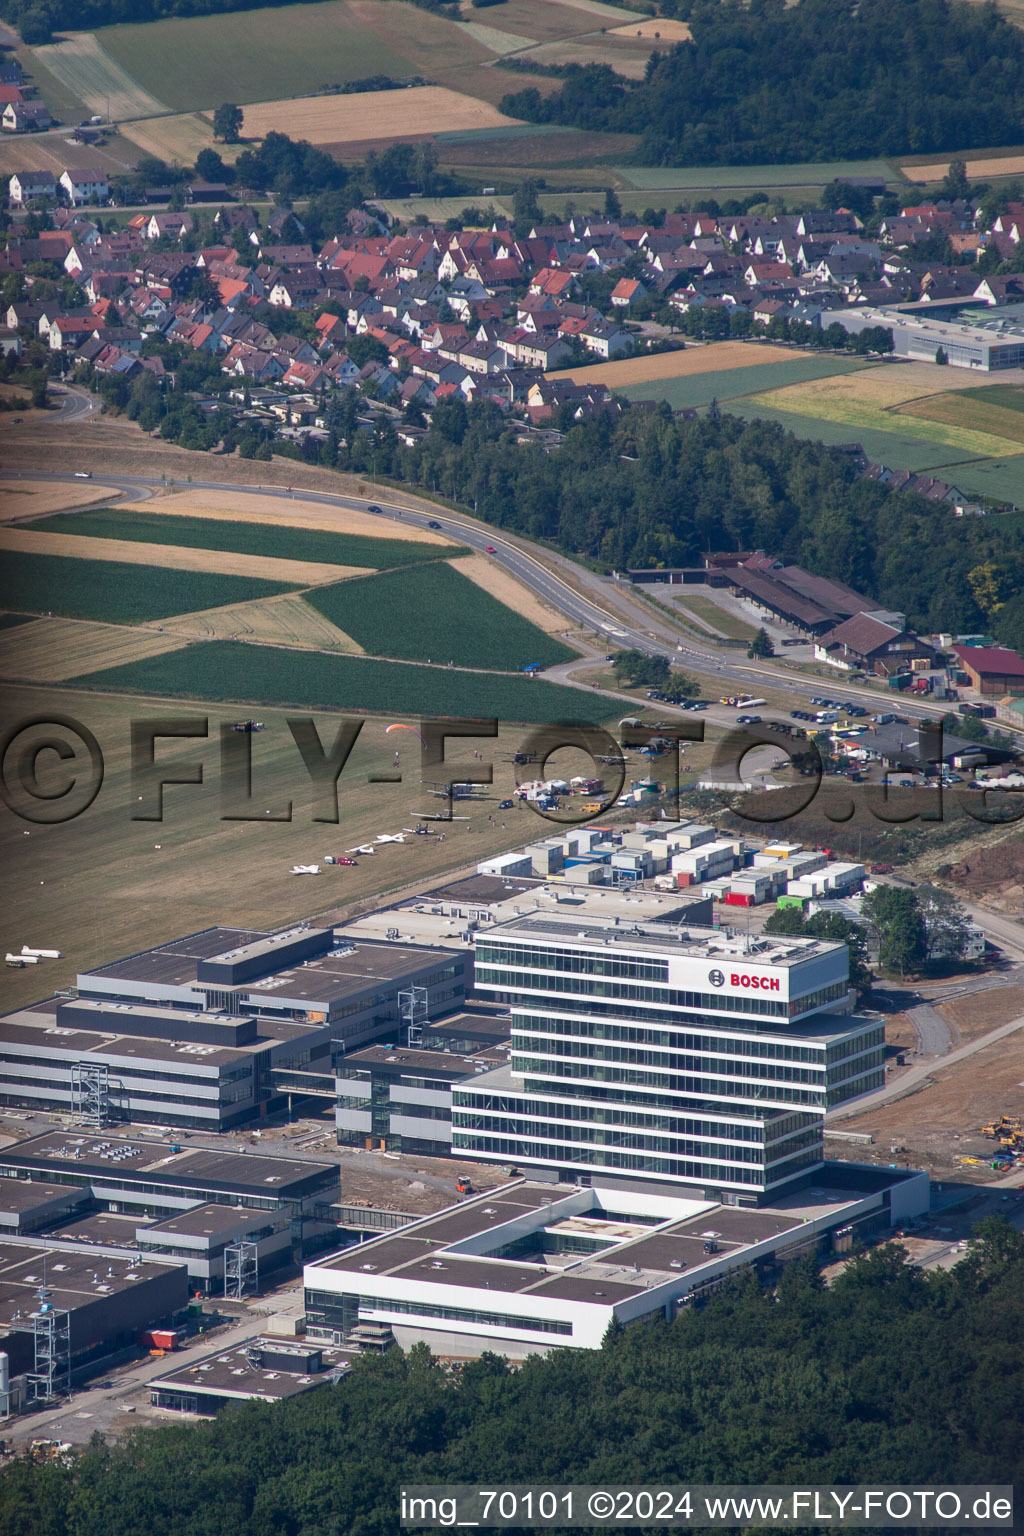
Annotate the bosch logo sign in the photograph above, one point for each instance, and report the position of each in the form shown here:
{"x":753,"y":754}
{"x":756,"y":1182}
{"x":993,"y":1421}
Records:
{"x":717,"y":978}
{"x":758,"y":983}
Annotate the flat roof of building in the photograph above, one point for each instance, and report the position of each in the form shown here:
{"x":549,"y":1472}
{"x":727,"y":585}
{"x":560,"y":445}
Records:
{"x":690,"y":941}
{"x":110,"y":1228}
{"x":206,"y":1220}
{"x":230,"y":1373}
{"x":396,"y":1061}
{"x":174,"y":964}
{"x":21,"y":1195}
{"x":103,"y":1153}
{"x":69,"y":1278}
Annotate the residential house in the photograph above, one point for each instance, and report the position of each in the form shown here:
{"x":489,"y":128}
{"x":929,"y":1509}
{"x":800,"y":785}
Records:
{"x":83,"y":185}
{"x":26,"y":186}
{"x":26,"y":117}
{"x":882,"y":645}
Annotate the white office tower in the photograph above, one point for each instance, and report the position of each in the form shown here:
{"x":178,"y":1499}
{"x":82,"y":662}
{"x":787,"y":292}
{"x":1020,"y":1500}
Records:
{"x":683,"y":1056}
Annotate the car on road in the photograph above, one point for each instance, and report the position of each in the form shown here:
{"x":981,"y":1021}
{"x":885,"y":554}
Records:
{"x":379,"y":510}
{"x":490,"y":550}
{"x":83,"y":474}
{"x":433,"y":523}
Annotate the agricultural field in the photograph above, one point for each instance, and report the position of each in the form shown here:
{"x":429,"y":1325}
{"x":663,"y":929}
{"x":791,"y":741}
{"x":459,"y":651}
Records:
{"x":656,"y":28}
{"x":288,"y":51}
{"x":178,"y":139}
{"x":626,"y":57}
{"x":701,"y":388}
{"x":264,"y":676}
{"x":970,"y":408}
{"x":97,"y":589}
{"x":250,"y":505}
{"x":1002,"y":479}
{"x":53,"y":152}
{"x":36,"y":498}
{"x":882,"y":447}
{"x":657,"y":366}
{"x":666,"y":179}
{"x":431,"y":613}
{"x":285,"y":620}
{"x":412,"y":209}
{"x":266,"y":541}
{"x":566,"y":156}
{"x":405,"y":114}
{"x":85,"y":68}
{"x":866,"y":400}
{"x":28,"y":541}
{"x":504,"y":586}
{"x":51,"y":650}
{"x":984,"y":168}
{"x":103,"y":885}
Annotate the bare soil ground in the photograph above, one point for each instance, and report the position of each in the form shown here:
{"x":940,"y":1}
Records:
{"x":303,"y":573}
{"x":981,"y":1011}
{"x":624,"y":57}
{"x":284,"y":620}
{"x":943,"y":1119}
{"x":387,"y":114}
{"x":50,"y":650}
{"x":994,"y":875}
{"x":674,"y":365}
{"x":232,"y":506}
{"x":38,"y":498}
{"x":900,"y":1032}
{"x":509,"y":591}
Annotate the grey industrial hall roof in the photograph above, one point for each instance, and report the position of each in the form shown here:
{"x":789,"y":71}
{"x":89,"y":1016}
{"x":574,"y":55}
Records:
{"x":206,"y":1220}
{"x":68,"y":1277}
{"x":26,"y":1194}
{"x":174,"y":964}
{"x":252,"y":1173}
{"x":230,"y":1374}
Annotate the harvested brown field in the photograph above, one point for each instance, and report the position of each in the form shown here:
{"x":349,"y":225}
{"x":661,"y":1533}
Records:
{"x":50,"y":650}
{"x":546,"y":19}
{"x":509,"y":591}
{"x":960,"y":411}
{"x":303,"y":573}
{"x":624,"y":58}
{"x":889,"y":386}
{"x":237,"y":506}
{"x":665,"y":28}
{"x":38,"y":498}
{"x":979,"y":1012}
{"x":421,"y":110}
{"x":676,"y":365}
{"x":1001,"y":165}
{"x":178,"y":139}
{"x":283,"y":620}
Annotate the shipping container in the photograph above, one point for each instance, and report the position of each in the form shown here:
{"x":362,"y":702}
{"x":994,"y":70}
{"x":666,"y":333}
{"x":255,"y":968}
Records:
{"x":737,"y":899}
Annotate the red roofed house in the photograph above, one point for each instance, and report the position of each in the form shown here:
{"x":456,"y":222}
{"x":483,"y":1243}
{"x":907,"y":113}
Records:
{"x":627,"y":291}
{"x":992,"y":669}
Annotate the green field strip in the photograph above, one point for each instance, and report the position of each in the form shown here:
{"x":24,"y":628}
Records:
{"x":881,"y":447}
{"x":729,"y":383}
{"x":432,"y":613}
{"x":107,"y":591}
{"x":1002,"y":479}
{"x":272,"y":541}
{"x":656,"y":178}
{"x":230,"y":670}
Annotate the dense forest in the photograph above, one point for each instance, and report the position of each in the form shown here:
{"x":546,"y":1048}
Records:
{"x":650,"y":489}
{"x":822,"y":79}
{"x":889,"y":1375}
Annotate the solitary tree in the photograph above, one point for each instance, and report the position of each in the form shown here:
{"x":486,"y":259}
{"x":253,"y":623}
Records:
{"x":896,"y":918}
{"x":761,"y":645}
{"x":227,"y":123}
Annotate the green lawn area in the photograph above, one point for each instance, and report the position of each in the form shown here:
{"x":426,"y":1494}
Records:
{"x":891,"y":448}
{"x":197,"y":62}
{"x":432,"y":613}
{"x":701,"y":388}
{"x":274,"y":542}
{"x":1002,"y":479}
{"x":710,"y":613}
{"x":228,"y":670}
{"x":663,"y":178}
{"x":118,"y":594}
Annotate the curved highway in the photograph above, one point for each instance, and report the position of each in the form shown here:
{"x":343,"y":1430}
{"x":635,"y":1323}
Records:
{"x":613,"y":611}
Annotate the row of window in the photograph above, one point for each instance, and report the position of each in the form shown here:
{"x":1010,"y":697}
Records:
{"x":844,"y":1048}
{"x":594,"y":1071}
{"x":605,"y":1138}
{"x":509,"y":1149}
{"x":464,"y":1105}
{"x":324,"y":1308}
{"x":515,"y":984}
{"x":721,"y":1070}
{"x":721,"y":1042}
{"x":581,"y":962}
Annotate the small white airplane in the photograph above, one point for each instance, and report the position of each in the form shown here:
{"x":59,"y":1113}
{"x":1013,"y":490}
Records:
{"x":391,"y":837}
{"x":305,"y":869}
{"x":40,"y":954}
{"x":363,"y":848}
{"x":441,"y":816}
{"x":21,"y":960}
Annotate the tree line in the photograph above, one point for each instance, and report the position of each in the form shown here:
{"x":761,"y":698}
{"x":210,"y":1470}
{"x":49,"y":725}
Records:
{"x":887,"y":1375}
{"x":819,"y":80}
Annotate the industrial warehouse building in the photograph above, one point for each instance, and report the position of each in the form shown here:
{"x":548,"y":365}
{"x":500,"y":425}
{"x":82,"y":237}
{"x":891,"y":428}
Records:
{"x":988,"y":345}
{"x":534,"y":1265}
{"x":213,"y":1030}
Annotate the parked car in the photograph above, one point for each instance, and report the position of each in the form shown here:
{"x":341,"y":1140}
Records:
{"x":505,"y":805}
